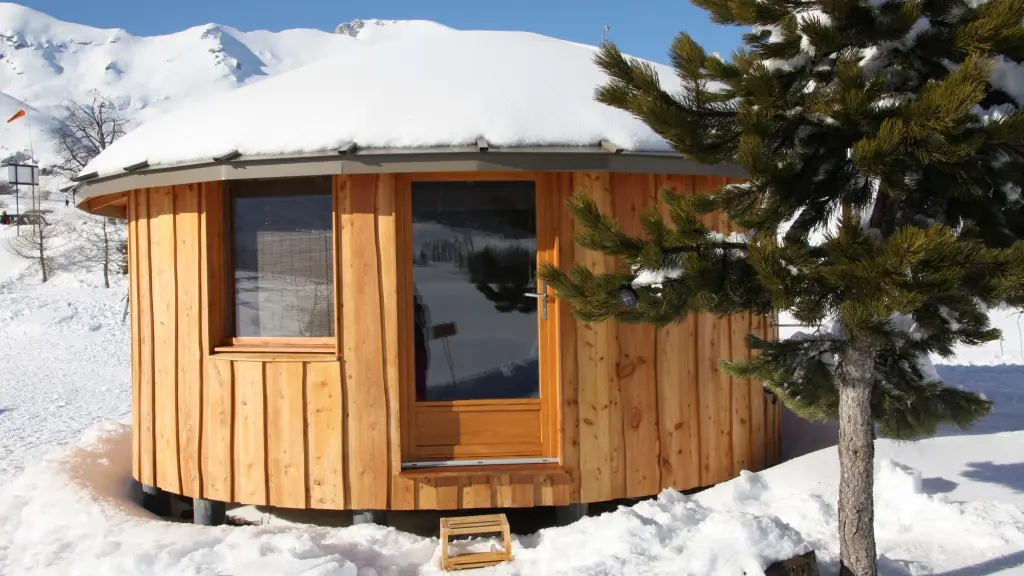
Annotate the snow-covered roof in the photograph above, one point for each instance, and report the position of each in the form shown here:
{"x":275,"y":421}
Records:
{"x":449,"y":88}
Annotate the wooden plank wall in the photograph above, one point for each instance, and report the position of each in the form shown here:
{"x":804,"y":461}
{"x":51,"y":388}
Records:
{"x":655,"y":410}
{"x":641,"y":409}
{"x":240,"y":428}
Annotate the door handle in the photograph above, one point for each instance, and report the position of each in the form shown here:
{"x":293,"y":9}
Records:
{"x":543,"y":297}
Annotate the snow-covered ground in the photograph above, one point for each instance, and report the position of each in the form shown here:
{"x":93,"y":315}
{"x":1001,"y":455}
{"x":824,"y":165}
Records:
{"x":64,"y":355}
{"x":952,"y":505}
{"x":995,"y":369}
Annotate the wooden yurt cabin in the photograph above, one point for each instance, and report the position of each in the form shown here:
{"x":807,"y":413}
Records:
{"x":334,"y":294}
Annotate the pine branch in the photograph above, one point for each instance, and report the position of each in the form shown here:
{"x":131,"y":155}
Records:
{"x":895,"y":111}
{"x":902,"y":117}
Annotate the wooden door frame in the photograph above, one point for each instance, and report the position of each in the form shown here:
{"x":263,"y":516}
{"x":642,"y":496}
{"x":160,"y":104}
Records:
{"x":549,"y":400}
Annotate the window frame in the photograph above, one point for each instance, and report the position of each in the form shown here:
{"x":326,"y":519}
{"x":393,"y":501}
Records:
{"x":546,"y":445}
{"x":228,"y":342}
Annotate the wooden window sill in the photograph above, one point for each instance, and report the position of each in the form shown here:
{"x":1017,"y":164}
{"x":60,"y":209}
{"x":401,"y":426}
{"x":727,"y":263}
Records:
{"x":253,"y":354}
{"x":443,"y":471}
{"x":297,"y":348}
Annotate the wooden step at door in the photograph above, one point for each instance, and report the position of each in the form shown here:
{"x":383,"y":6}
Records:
{"x":467,"y":525}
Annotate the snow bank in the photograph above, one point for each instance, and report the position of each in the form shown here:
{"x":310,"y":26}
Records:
{"x":946,"y":504}
{"x":71,"y":514}
{"x":443,"y":89}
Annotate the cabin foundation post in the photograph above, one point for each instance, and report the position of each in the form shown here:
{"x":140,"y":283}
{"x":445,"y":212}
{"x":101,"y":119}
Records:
{"x":208,"y":512}
{"x":565,"y":515}
{"x":156,"y":500}
{"x":369,"y":517}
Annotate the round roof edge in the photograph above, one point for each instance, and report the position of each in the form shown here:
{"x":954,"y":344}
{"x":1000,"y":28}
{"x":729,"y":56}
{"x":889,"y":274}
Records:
{"x":396,"y":161}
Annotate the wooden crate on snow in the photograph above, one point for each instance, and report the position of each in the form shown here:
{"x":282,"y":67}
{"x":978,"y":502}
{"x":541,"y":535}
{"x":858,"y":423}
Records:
{"x":466,"y":525}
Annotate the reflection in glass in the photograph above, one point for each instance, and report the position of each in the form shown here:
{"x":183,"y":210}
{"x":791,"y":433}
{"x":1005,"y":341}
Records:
{"x":474,"y":258}
{"x":282,"y":251}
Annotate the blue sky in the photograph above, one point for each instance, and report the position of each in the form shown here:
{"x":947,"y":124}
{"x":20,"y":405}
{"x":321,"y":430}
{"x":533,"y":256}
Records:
{"x":643,"y":28}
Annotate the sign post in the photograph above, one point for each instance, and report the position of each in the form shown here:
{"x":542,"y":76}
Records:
{"x":21,"y":175}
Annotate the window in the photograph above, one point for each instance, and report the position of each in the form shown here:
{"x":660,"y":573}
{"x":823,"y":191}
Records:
{"x":282,"y":260}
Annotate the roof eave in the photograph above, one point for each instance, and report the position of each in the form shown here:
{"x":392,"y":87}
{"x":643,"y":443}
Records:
{"x":404,"y":160}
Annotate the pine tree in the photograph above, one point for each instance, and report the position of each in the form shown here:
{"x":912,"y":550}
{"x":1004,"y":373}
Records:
{"x":883,"y":143}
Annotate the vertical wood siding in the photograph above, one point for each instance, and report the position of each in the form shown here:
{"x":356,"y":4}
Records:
{"x":636,"y":365}
{"x":639,"y":409}
{"x":366,"y":409}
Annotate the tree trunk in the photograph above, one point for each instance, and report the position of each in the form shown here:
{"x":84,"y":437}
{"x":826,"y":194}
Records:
{"x":42,"y":250}
{"x":857,"y":555}
{"x":106,"y":256}
{"x":883,"y":215}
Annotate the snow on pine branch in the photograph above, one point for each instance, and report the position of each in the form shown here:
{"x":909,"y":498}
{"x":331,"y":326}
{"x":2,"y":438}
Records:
{"x":874,"y":58}
{"x":655,"y":278}
{"x":806,"y":48}
{"x":911,"y":330}
{"x":870,"y":56}
{"x":1007,"y":75}
{"x":906,"y":328}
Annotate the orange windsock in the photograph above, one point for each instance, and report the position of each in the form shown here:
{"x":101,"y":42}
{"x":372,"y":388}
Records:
{"x":18,"y":114}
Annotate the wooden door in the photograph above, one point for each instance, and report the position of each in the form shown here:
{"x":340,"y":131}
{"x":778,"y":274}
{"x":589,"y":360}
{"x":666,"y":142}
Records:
{"x":476,"y":390}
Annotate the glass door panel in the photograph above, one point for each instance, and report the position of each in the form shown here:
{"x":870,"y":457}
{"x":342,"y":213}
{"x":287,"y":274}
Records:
{"x":474,"y":249}
{"x":475,"y":394}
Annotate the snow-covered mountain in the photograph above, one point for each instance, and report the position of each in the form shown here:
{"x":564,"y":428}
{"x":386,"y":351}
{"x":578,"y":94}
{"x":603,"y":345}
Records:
{"x":45,"y":61}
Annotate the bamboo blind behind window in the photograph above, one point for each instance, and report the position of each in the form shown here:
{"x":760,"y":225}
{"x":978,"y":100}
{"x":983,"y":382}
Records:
{"x":296,"y":288}
{"x":283,"y":253}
